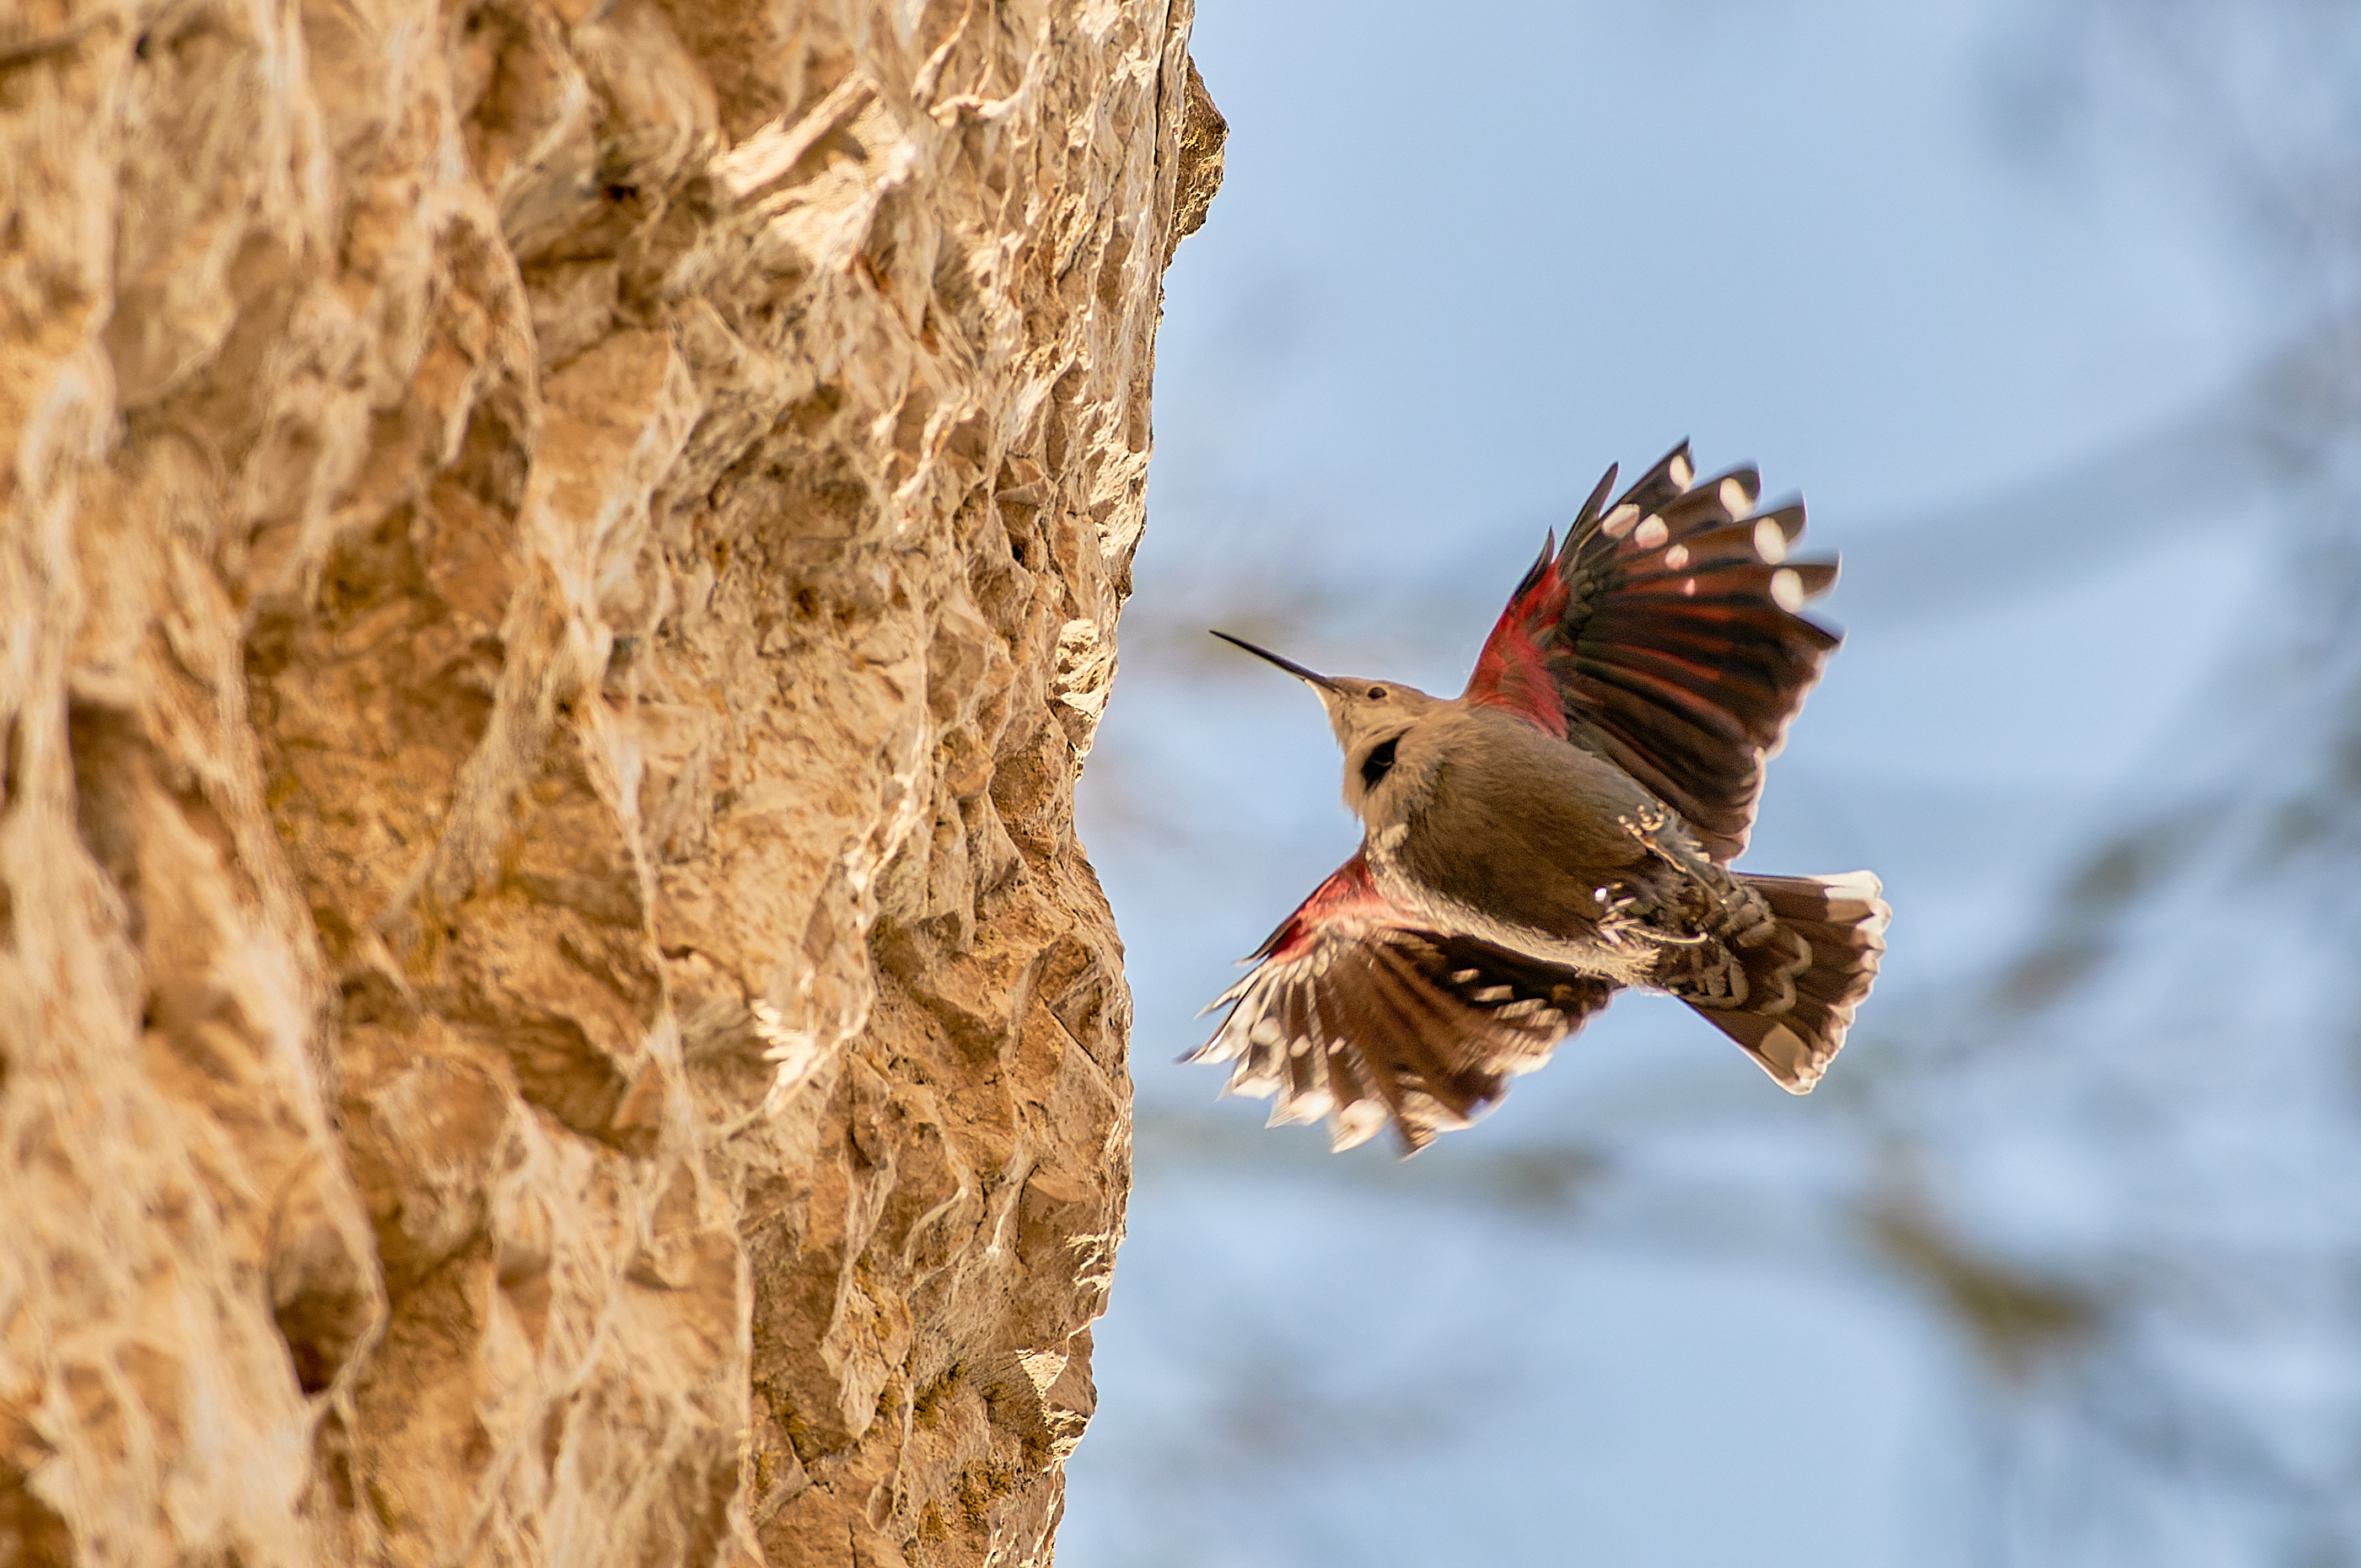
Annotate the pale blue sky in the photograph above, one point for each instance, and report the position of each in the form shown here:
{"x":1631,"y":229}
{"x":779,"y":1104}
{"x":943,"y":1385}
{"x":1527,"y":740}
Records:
{"x":1455,"y":270}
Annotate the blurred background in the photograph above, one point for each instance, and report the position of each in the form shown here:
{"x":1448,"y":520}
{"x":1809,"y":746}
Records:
{"x":2050,"y":307}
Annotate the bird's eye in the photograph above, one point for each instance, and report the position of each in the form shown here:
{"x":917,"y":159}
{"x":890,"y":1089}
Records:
{"x":1380,"y":761}
{"x":1376,"y":694}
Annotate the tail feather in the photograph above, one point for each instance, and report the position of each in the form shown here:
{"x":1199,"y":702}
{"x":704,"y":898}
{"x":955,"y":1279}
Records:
{"x":1794,"y":1020}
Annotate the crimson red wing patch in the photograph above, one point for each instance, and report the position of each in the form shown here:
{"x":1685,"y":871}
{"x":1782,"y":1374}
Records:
{"x":1349,"y":897}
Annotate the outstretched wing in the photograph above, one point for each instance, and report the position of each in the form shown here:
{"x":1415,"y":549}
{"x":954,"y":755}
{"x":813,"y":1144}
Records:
{"x":1354,"y":1013}
{"x":1665,"y":638}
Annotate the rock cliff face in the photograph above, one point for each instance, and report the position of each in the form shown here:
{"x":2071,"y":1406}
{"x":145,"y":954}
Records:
{"x":559,"y":562}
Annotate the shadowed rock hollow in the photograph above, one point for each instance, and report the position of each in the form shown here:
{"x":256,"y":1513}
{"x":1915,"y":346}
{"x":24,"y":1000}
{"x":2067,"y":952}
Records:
{"x":561,"y":562}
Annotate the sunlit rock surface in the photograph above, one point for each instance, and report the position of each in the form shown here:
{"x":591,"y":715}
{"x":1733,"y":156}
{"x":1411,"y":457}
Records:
{"x":560,"y":564}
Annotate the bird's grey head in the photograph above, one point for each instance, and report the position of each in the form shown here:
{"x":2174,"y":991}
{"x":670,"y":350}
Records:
{"x":1370,"y":716}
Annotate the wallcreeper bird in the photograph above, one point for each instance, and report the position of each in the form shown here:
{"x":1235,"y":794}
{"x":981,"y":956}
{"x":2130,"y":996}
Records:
{"x":1563,"y":828}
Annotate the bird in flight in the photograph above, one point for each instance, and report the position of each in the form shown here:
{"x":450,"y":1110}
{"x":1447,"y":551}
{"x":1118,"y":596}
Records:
{"x":1563,"y":828}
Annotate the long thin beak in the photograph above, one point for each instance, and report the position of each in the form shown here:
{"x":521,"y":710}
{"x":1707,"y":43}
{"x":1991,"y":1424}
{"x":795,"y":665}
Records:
{"x":1290,"y":665}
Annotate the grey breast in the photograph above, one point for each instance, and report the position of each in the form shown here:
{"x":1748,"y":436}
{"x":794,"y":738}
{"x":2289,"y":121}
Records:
{"x":1522,"y":825}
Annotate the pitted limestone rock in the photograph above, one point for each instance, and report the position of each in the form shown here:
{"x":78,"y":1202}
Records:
{"x":560,"y":563}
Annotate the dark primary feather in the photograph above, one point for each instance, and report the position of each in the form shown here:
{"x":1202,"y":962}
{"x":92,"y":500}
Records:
{"x":1663,"y":638}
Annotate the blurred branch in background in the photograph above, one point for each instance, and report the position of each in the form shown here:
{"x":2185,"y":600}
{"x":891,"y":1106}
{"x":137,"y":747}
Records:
{"x":2179,"y":1027}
